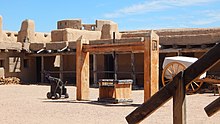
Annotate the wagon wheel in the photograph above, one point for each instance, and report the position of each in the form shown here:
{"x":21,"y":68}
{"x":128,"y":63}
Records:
{"x":193,"y":86}
{"x":172,"y":69}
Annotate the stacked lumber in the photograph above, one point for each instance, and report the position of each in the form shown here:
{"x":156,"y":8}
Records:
{"x":9,"y":80}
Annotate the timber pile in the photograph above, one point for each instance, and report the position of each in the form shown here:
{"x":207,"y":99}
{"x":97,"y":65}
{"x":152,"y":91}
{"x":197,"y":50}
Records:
{"x":9,"y":80}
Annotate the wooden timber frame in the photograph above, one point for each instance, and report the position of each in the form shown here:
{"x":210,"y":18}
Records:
{"x":176,"y":89}
{"x":150,"y":47}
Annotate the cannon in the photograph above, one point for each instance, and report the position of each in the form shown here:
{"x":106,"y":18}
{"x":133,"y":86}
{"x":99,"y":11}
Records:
{"x":57,"y":87}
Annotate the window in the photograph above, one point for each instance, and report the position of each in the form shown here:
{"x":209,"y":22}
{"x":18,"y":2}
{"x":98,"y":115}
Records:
{"x":26,"y":63}
{"x":14,"y":64}
{"x":1,"y":63}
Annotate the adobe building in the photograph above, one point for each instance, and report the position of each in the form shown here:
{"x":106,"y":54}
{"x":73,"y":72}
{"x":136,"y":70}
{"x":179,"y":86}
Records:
{"x":27,"y":54}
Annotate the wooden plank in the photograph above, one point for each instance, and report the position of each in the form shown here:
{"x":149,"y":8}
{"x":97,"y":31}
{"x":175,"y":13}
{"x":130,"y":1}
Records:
{"x":179,"y":103}
{"x":213,"y":107}
{"x":137,"y":46}
{"x":151,"y":65}
{"x":123,"y":40}
{"x":195,"y":70}
{"x":82,"y":71}
{"x":61,"y":67}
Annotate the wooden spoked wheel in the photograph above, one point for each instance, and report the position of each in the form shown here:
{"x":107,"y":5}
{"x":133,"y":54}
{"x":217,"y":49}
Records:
{"x":171,"y":70}
{"x":193,"y":87}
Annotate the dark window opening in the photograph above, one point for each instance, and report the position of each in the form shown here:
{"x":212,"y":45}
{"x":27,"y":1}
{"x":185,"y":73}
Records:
{"x":26,"y":64}
{"x":1,"y":63}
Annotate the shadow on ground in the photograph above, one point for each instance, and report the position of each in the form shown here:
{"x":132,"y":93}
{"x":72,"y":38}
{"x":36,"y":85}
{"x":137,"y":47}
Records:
{"x":94,"y":103}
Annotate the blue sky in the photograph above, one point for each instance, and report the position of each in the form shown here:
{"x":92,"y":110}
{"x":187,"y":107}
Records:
{"x":129,"y":14}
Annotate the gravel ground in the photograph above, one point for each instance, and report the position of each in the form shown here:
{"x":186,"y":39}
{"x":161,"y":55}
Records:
{"x":27,"y":104}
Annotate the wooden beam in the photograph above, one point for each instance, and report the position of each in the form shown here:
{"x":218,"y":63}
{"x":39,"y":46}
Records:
{"x":61,"y":67}
{"x":195,"y":70}
{"x":151,"y":65}
{"x":123,"y":40}
{"x":179,"y":103}
{"x":133,"y":75}
{"x":82,"y":70}
{"x":42,"y":69}
{"x":213,"y":107}
{"x":117,"y":47}
{"x":94,"y":68}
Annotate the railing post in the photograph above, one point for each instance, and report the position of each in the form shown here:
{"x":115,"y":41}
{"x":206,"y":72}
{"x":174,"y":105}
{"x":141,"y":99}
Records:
{"x":179,"y":103}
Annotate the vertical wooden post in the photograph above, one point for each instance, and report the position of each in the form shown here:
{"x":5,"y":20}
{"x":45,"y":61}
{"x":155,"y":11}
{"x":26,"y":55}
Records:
{"x":151,"y":65}
{"x":42,"y":69}
{"x":179,"y":104}
{"x":82,"y":70}
{"x":133,"y":68}
{"x":94,"y":69}
{"x":61,"y":67}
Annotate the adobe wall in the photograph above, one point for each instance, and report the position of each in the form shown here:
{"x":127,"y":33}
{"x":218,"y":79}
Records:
{"x":74,"y":24}
{"x":69,"y":34}
{"x":71,"y":30}
{"x":185,"y":39}
{"x":27,"y":32}
{"x":17,"y":69}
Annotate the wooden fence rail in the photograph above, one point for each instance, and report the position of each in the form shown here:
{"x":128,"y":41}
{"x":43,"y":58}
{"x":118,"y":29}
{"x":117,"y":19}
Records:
{"x":171,"y":90}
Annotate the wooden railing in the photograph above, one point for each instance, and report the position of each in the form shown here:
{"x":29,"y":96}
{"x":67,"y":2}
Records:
{"x":176,"y":89}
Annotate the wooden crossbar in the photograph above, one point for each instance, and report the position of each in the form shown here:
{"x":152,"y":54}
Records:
{"x":213,"y":107}
{"x":161,"y":97}
{"x":117,"y":47}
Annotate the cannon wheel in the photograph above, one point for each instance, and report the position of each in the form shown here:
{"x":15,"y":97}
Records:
{"x":173,"y":69}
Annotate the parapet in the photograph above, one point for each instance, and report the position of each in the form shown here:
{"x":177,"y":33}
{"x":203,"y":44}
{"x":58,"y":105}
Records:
{"x":69,"y":34}
{"x":74,"y":24}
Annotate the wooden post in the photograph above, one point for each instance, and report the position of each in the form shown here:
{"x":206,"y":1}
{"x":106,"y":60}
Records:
{"x":179,"y":104}
{"x":133,"y":75}
{"x":42,"y":69}
{"x":94,"y":69}
{"x":82,"y":70}
{"x":61,"y":67}
{"x":151,"y":65}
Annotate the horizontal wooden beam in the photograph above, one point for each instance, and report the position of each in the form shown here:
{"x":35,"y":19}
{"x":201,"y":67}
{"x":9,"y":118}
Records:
{"x":117,"y":47}
{"x":213,"y":107}
{"x":123,"y":40}
{"x":161,"y":97}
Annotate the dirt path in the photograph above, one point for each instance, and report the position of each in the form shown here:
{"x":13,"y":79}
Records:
{"x":27,"y":104}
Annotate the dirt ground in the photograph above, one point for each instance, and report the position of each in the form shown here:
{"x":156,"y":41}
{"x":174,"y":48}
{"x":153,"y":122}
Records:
{"x":27,"y":104}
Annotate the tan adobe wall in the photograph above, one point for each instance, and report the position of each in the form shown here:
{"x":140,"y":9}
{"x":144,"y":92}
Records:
{"x":27,"y":31}
{"x":9,"y":36}
{"x":24,"y":73}
{"x":42,"y":37}
{"x":74,"y":34}
{"x":74,"y":24}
